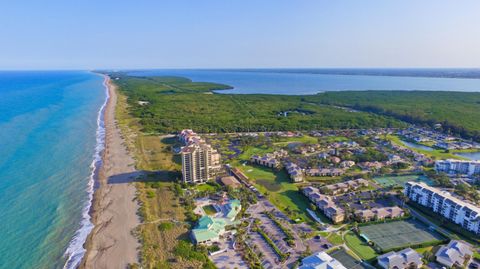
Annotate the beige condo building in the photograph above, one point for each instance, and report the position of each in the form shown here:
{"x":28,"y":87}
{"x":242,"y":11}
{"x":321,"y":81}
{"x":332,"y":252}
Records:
{"x":200,"y":163}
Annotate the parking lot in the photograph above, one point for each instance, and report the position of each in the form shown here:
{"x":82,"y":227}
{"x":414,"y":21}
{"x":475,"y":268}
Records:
{"x":267,"y":225}
{"x":268,"y":256}
{"x":229,"y":258}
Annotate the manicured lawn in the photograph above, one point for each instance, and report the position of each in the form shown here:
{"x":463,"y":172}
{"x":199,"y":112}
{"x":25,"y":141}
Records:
{"x":331,"y":139}
{"x":423,"y":250}
{"x":306,"y":139}
{"x":279,"y":190}
{"x":335,"y":239}
{"x":360,"y":247}
{"x":249,"y":151}
{"x":205,"y":187}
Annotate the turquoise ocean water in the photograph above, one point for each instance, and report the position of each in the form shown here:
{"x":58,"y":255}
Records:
{"x":49,"y":137}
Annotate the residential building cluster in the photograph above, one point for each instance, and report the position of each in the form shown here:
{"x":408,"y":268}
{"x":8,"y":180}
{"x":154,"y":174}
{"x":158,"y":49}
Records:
{"x":346,"y":186}
{"x":272,"y":160}
{"x":324,"y":172}
{"x":325,"y":204}
{"x":456,"y":254}
{"x":443,"y":203}
{"x":333,"y":206}
{"x":438,"y":139}
{"x":389,"y":212}
{"x":406,"y":258}
{"x":451,"y":166}
{"x":200,"y":162}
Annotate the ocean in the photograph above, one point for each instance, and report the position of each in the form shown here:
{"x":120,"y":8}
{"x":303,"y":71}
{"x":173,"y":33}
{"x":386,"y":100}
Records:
{"x":50,"y":139}
{"x":313,"y":81}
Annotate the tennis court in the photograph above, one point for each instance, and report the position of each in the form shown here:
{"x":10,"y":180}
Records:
{"x":399,"y":234}
{"x":391,"y":181}
{"x":347,"y":260}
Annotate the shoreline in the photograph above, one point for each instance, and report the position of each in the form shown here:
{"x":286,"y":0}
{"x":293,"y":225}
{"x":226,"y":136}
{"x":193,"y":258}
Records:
{"x":75,"y":250}
{"x":111,"y":243}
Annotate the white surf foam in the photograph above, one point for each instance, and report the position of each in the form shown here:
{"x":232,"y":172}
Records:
{"x":75,"y":250}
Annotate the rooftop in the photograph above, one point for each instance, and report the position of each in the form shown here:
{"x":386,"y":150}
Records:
{"x":320,"y":260}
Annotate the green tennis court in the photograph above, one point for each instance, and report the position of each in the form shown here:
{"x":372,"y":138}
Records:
{"x":399,"y":234}
{"x":389,"y":181}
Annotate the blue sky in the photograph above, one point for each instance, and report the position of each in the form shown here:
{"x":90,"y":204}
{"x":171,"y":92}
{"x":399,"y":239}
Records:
{"x":69,"y":34}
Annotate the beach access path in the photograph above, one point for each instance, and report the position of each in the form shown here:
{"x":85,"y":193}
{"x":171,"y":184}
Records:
{"x":112,"y":244}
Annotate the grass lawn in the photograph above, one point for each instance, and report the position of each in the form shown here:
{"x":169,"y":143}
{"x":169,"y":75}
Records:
{"x":279,"y":190}
{"x":331,"y":139}
{"x":360,"y":247}
{"x":249,"y":151}
{"x":335,"y":239}
{"x":305,"y":139}
{"x":204,"y":187}
{"x":423,"y":250}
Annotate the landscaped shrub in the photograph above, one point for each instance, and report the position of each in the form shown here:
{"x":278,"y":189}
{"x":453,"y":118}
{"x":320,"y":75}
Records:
{"x":165,"y":226}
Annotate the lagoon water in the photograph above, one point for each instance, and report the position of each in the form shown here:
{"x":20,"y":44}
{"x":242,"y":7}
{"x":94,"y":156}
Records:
{"x":312,"y":81}
{"x":48,"y":124}
{"x":416,"y":146}
{"x":474,"y":156}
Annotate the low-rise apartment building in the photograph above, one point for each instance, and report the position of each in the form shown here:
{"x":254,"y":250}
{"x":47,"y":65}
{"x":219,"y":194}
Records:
{"x":294,"y":171}
{"x":379,"y":213}
{"x":342,"y":187}
{"x":333,"y":206}
{"x":325,"y":204}
{"x":324,"y":172}
{"x":407,"y":258}
{"x":456,"y":253}
{"x":267,"y":160}
{"x":443,"y":203}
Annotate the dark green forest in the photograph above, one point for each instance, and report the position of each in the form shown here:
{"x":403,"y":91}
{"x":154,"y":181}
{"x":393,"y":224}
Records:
{"x":176,"y":103}
{"x":457,"y":112}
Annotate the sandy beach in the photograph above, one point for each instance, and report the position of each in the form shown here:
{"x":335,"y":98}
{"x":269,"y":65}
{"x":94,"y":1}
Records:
{"x":111,"y":244}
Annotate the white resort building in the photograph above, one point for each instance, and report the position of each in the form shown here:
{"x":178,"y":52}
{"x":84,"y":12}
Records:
{"x":443,"y":203}
{"x":451,"y":166}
